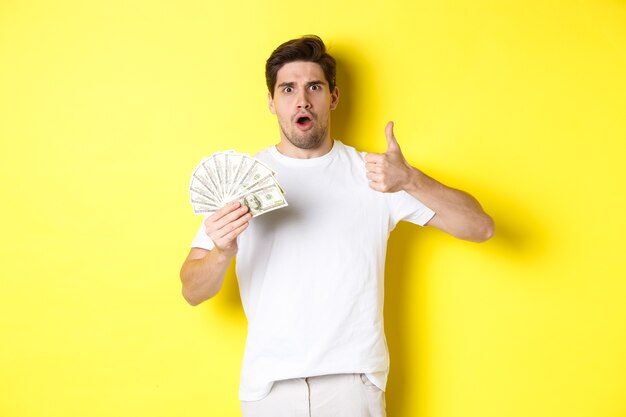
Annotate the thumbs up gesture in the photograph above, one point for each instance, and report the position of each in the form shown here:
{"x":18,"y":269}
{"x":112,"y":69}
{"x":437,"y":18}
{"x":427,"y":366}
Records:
{"x":388,"y":172}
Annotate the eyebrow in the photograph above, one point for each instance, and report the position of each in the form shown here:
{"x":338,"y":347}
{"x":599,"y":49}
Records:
{"x":293,"y":84}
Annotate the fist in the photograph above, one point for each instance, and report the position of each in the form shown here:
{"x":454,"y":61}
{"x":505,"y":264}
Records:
{"x":388,"y":172}
{"x":225,"y":225}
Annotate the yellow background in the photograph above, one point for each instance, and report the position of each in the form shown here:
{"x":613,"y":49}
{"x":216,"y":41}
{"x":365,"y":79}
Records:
{"x":107,"y":106}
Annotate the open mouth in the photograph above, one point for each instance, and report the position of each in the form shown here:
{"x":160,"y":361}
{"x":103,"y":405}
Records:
{"x":304,"y":122}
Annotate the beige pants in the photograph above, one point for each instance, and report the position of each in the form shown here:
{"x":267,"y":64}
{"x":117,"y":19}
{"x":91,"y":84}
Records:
{"x":340,"y":395}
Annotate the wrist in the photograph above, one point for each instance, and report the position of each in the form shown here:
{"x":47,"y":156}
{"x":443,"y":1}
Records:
{"x":223,"y":255}
{"x":414,"y":179}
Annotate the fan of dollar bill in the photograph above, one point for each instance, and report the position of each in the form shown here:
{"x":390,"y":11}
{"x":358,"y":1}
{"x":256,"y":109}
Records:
{"x":230,"y":176}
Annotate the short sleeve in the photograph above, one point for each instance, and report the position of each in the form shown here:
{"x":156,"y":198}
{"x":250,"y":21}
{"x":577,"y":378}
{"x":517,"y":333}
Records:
{"x":403,"y":206}
{"x":202,"y":240}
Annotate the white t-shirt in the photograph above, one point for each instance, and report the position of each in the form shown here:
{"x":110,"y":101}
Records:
{"x":311,"y":275}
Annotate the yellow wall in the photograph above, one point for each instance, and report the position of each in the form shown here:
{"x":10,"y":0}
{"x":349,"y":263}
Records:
{"x":106,"y":107}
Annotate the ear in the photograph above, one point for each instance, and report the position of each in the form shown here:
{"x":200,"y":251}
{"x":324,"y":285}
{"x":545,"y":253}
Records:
{"x":270,"y":102}
{"x":334,"y":98}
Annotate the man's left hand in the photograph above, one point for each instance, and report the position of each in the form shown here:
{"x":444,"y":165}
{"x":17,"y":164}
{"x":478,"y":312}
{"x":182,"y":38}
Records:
{"x":388,"y":172}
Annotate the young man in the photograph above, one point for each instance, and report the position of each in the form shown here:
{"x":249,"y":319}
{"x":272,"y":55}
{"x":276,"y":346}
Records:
{"x":311,"y":274}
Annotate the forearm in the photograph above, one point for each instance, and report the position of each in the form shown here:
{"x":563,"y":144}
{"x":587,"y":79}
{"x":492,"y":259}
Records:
{"x":457,"y":212}
{"x":203,"y":271}
{"x":202,"y":278}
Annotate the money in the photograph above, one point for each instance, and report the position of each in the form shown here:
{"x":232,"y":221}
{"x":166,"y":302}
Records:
{"x":230,"y":176}
{"x":264,"y":199}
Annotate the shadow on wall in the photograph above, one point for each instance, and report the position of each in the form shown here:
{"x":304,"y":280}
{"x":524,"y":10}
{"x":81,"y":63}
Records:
{"x":406,"y":241}
{"x":520,"y":238}
{"x":340,"y":126}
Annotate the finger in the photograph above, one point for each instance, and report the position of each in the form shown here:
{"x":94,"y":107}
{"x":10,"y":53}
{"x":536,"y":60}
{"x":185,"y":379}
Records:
{"x":213,"y":226}
{"x":222,"y":212}
{"x":375,"y":177}
{"x":226,"y":229}
{"x":371,"y":167}
{"x":376,"y":186}
{"x":392,"y":143}
{"x":374,"y":158}
{"x":230,"y":217}
{"x":227,"y":239}
{"x":380,"y":186}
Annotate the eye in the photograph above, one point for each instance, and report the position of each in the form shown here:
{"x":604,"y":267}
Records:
{"x":316,"y":87}
{"x":287,"y":90}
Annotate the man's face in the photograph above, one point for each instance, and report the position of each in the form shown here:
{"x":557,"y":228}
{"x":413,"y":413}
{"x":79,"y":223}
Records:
{"x":302,"y":102}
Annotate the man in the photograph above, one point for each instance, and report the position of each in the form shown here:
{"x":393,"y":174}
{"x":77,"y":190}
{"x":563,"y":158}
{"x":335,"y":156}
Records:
{"x":311,"y":274}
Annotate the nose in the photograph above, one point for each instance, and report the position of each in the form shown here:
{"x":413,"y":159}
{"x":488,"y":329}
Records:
{"x":303,"y":101}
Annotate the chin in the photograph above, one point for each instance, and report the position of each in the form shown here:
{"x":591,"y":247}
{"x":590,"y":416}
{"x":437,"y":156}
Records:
{"x":306,"y":143}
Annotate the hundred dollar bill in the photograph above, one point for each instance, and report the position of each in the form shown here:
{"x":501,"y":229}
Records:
{"x":199,"y":208}
{"x":265,"y":182}
{"x":242,"y":171}
{"x":207,"y":174}
{"x":262,"y":200}
{"x":257,"y":172}
{"x":218,"y":173}
{"x":198,"y":187}
{"x":233,"y":161}
{"x":229,"y":176}
{"x":204,"y":200}
{"x":220,"y":163}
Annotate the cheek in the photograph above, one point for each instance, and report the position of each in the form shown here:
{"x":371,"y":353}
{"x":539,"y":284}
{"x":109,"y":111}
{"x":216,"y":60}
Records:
{"x":281,"y":106}
{"x":325,"y":102}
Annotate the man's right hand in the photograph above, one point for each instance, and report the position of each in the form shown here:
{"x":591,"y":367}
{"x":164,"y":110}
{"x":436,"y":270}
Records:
{"x":203,"y":271}
{"x":225,"y":225}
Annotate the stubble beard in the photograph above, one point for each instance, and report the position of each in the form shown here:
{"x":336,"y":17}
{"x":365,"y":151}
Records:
{"x":310,"y":139}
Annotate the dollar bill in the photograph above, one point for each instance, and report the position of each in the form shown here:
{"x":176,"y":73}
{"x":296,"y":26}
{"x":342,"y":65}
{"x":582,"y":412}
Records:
{"x":257,"y":172}
{"x":242,"y":171}
{"x":203,"y":199}
{"x":231,"y":176}
{"x":233,"y":161}
{"x":199,"y":186}
{"x":207,"y":174}
{"x":262,"y":183}
{"x":264,"y":199}
{"x":199,"y":208}
{"x":218,"y":164}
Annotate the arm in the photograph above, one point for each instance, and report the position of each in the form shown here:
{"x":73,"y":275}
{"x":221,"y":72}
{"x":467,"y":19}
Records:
{"x":203,"y":271}
{"x":457,"y":213}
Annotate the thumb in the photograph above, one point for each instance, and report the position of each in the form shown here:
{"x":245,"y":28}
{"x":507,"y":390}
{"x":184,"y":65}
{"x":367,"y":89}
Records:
{"x":392,"y":143}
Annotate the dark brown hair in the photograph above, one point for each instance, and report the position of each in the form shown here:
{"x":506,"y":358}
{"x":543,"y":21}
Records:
{"x":308,"y":48}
